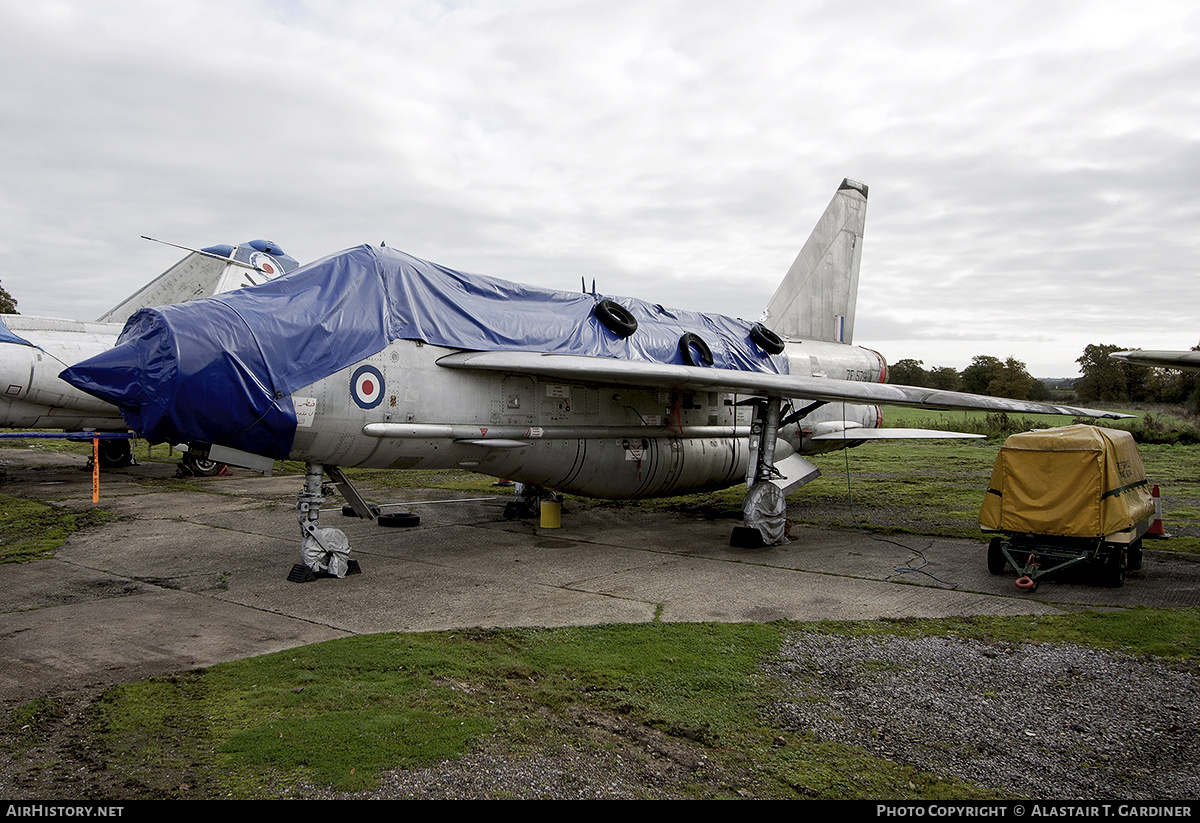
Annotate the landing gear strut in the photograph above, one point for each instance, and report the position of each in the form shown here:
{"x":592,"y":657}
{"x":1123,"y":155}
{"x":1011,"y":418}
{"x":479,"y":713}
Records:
{"x":324,"y":552}
{"x":764,"y":509}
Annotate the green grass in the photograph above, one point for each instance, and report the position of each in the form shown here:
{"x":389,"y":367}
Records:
{"x":452,"y":479}
{"x":338,"y":713}
{"x":1167,"y":633}
{"x":1157,"y":424}
{"x":29,"y":529}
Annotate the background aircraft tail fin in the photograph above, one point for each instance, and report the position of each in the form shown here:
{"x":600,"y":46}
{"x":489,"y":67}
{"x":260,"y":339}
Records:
{"x":206,"y":272}
{"x":816,"y":299}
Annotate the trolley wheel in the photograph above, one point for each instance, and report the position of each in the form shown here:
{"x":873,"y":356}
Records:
{"x":1133,"y":557}
{"x":996,"y":561}
{"x":1112,"y":572}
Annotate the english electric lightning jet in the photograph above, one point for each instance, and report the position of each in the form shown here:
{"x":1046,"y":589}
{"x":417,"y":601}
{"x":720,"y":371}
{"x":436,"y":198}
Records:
{"x":33,"y":350}
{"x":374,"y":358}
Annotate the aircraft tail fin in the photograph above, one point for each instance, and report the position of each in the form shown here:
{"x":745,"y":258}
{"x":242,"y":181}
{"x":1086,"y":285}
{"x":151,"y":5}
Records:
{"x":816,"y":299}
{"x":205,"y":272}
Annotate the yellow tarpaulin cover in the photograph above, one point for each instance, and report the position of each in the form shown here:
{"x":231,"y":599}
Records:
{"x":1073,"y":481}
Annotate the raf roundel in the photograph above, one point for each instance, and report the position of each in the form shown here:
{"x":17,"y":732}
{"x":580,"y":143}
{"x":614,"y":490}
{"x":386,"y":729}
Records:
{"x":265,"y":262}
{"x":366,"y":387}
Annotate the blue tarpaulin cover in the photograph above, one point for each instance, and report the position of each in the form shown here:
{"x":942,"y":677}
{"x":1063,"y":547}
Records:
{"x":196,"y":372}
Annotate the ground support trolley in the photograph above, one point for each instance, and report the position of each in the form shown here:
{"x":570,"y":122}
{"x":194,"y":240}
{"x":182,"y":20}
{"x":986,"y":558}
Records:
{"x":1035,"y":556}
{"x":1060,"y":499}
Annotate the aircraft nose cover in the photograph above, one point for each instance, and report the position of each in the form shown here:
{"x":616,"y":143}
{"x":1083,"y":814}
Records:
{"x":178,"y":383}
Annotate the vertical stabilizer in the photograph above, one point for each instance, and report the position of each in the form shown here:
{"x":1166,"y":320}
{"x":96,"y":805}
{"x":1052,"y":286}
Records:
{"x":816,"y":299}
{"x":207,"y":272}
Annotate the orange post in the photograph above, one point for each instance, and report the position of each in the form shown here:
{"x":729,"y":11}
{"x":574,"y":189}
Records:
{"x":95,"y":469}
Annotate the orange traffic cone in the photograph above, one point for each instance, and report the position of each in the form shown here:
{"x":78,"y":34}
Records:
{"x":1156,"y":528}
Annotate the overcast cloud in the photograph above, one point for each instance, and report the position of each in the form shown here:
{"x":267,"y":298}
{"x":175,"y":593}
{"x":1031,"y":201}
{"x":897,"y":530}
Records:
{"x":1034,"y":166}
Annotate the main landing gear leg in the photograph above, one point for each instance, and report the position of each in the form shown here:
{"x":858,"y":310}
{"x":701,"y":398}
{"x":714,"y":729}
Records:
{"x":323,"y":552}
{"x":765,"y":504}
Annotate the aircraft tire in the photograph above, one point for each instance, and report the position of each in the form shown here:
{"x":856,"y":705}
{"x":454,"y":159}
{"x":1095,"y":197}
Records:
{"x":348,"y":510}
{"x":692,"y":341}
{"x":201,"y":468}
{"x":766,"y":339}
{"x":399,"y":520}
{"x":616,"y":318}
{"x":115,"y":453}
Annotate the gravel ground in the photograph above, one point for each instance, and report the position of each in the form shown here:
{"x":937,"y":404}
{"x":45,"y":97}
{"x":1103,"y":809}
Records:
{"x":1041,"y":721}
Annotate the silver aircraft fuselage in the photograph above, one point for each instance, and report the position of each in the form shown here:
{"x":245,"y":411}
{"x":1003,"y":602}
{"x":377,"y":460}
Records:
{"x":574,"y":436}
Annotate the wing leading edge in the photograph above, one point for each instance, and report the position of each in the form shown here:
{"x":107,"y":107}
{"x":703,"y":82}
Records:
{"x":611,"y":371}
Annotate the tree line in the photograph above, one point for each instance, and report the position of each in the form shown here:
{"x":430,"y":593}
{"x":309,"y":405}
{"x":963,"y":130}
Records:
{"x":1102,"y":378}
{"x":986,"y":375}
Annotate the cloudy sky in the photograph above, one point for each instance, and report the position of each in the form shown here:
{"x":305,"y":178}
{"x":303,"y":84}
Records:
{"x":1034,"y":166}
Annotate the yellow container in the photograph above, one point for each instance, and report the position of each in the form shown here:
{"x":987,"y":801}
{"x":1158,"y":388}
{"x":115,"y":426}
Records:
{"x":551,"y":514}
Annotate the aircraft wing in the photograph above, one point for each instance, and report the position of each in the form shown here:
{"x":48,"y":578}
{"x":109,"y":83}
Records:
{"x":1163,"y":359}
{"x":614,"y":372}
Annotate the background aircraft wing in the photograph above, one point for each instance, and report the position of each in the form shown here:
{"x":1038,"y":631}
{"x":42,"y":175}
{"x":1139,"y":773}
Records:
{"x":8,"y":336}
{"x":1162,"y":359}
{"x":615,"y":372}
